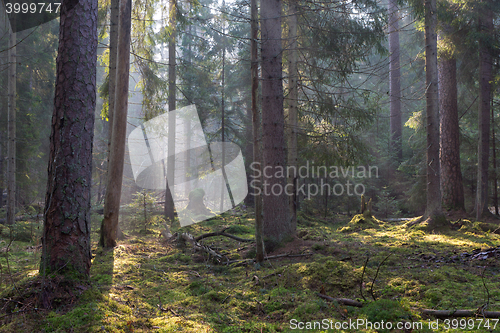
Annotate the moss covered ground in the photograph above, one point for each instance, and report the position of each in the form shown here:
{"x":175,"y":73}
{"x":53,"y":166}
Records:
{"x":146,"y":284}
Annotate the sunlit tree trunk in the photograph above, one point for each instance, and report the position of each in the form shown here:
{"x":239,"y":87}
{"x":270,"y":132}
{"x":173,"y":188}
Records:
{"x":451,"y":175}
{"x":433,"y":212}
{"x":485,"y":77}
{"x":109,"y":229}
{"x":169,"y":201}
{"x":395,"y":83}
{"x":276,"y":223}
{"x":66,"y":240}
{"x":11,"y":129}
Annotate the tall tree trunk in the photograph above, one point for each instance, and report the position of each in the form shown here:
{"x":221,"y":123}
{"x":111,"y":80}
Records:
{"x":1,"y":170}
{"x":395,"y":83}
{"x":255,"y":129}
{"x":292,"y":110}
{"x":451,"y":175}
{"x":276,"y":223}
{"x":493,"y":149}
{"x":66,"y":240}
{"x":485,"y":72}
{"x":169,"y":200}
{"x":113,"y":46}
{"x":11,"y":124}
{"x":109,"y":228}
{"x":433,"y":212}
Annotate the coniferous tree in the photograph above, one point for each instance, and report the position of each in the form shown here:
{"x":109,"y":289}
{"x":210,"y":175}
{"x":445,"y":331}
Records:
{"x":66,"y":238}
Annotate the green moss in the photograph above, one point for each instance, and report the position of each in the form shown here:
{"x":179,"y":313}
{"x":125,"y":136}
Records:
{"x":362,"y":222}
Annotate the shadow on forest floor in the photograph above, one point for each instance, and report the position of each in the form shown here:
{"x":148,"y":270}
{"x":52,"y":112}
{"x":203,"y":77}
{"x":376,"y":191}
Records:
{"x":148,"y":285}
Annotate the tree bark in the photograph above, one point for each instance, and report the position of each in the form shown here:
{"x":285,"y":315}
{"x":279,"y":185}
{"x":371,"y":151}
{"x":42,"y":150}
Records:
{"x":109,"y":228}
{"x":485,"y":72}
{"x":395,"y":83}
{"x":255,"y":131}
{"x":66,"y":238}
{"x":169,"y":200}
{"x":433,"y":212}
{"x":292,"y":110}
{"x":11,"y":129}
{"x":276,"y":223}
{"x":449,"y":154}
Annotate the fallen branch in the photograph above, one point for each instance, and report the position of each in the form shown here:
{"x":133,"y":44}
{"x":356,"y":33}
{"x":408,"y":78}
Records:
{"x":198,"y":247}
{"x":270,"y":257}
{"x":222,"y":233}
{"x":429,"y":312}
{"x":345,"y":301}
{"x":460,"y":313}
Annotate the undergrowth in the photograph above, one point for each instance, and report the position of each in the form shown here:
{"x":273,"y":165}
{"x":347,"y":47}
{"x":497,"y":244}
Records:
{"x":146,"y":284}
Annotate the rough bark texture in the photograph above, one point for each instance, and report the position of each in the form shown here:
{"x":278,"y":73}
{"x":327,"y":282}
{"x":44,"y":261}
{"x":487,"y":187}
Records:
{"x":113,"y":47}
{"x":66,"y":240}
{"x":483,"y":150}
{"x":255,"y":131}
{"x":109,"y":228}
{"x":169,"y":201}
{"x":451,"y":175}
{"x":395,"y":82}
{"x":276,"y":223}
{"x":433,"y":210}
{"x":292,"y":108}
{"x":11,"y":129}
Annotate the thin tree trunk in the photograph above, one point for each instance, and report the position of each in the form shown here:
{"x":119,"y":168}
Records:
{"x":276,"y":223}
{"x":485,"y":72}
{"x":169,"y":200}
{"x":451,"y":175}
{"x":66,"y":240}
{"x":1,"y":171}
{"x":255,"y":127}
{"x":495,"y":180}
{"x":113,"y":46}
{"x":395,"y":83}
{"x":11,"y":120}
{"x":433,"y":211}
{"x":292,"y":110}
{"x":109,"y":228}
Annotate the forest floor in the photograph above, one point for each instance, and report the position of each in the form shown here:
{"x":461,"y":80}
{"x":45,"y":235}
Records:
{"x":147,"y":284}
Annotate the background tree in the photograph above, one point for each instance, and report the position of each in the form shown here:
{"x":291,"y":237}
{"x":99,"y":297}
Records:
{"x":395,"y":82}
{"x":66,"y":239}
{"x":276,"y":223}
{"x":11,"y":147}
{"x":109,"y":229}
{"x":449,"y":130}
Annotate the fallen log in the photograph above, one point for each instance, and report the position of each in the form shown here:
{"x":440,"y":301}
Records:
{"x":478,"y":313}
{"x":222,"y":233}
{"x":345,"y":301}
{"x":460,"y":313}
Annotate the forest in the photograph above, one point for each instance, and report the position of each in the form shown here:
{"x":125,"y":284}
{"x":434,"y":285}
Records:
{"x":249,"y":166}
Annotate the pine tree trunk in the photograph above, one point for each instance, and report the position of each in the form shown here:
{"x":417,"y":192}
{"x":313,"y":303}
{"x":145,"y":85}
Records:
{"x":66,"y":240}
{"x":255,"y":131}
{"x":485,"y":72}
{"x":169,"y":201}
{"x":276,"y":223}
{"x":395,"y":83}
{"x":113,"y":54}
{"x":11,"y":124}
{"x":292,"y":110}
{"x":109,"y":228}
{"x":433,"y":210}
{"x":451,"y":175}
